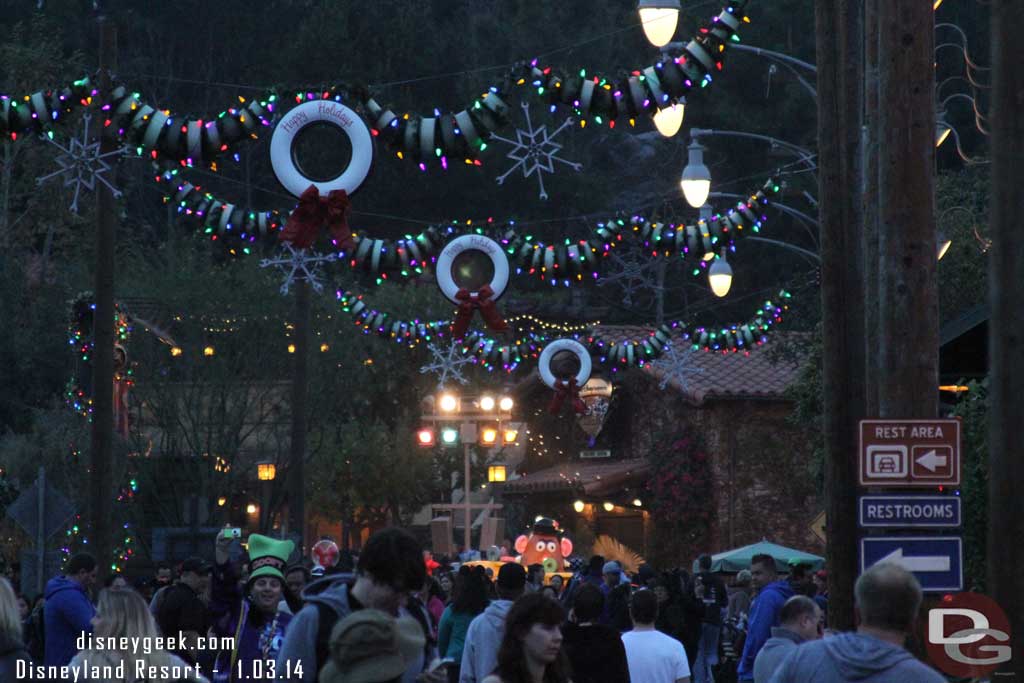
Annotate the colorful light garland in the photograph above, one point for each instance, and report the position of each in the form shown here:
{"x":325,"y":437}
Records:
{"x":77,"y":393}
{"x":738,"y":338}
{"x":188,"y":141}
{"x":564,"y":263}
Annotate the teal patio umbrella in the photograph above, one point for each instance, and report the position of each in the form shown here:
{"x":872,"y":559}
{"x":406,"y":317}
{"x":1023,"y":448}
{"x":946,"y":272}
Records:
{"x":739,"y":558}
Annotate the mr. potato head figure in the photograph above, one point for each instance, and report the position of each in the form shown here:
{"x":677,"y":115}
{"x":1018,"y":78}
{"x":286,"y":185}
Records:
{"x":544,"y":546}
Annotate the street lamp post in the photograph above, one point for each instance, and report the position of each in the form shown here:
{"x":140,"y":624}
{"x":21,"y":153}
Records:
{"x":266,"y":472}
{"x":472,"y":413}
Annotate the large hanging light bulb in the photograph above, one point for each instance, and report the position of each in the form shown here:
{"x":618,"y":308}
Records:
{"x":659,"y":19}
{"x":669,"y":120}
{"x":720,"y":276}
{"x":696,"y":180}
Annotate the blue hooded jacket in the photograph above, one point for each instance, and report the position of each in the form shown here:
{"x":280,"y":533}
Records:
{"x":852,"y":657}
{"x":764,"y":614}
{"x":67,"y":614}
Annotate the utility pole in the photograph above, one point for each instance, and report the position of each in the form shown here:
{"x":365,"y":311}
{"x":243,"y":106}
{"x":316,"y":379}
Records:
{"x":300,"y":385}
{"x":1006,"y":329}
{"x":908,"y":302}
{"x":869,"y":149}
{"x":102,"y":441}
{"x":839,"y":24}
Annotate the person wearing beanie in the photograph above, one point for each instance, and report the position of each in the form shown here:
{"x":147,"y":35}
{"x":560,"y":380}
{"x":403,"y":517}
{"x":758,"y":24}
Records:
{"x":369,"y":646}
{"x":251,"y":616}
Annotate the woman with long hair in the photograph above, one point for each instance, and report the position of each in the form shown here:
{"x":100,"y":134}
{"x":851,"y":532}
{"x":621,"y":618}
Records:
{"x":531,"y":651}
{"x":122,"y":613}
{"x":12,"y":647}
{"x":469,"y":598}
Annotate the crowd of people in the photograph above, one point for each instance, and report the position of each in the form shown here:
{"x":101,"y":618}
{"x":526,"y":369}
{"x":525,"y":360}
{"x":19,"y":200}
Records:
{"x":393,"y":615}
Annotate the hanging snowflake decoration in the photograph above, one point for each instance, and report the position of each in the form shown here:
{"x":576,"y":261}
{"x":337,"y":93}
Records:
{"x":83,"y":164}
{"x":299,"y":264}
{"x":676,"y":366}
{"x":633,"y":273}
{"x":447,"y":364}
{"x":535,"y":151}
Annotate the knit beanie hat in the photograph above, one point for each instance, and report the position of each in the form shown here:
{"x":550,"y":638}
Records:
{"x":268,"y":556}
{"x":368,"y":646}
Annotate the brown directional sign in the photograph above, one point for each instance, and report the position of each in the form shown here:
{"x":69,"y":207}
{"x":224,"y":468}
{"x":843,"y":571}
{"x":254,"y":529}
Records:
{"x":901,"y":453}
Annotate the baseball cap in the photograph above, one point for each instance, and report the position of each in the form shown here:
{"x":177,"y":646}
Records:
{"x":511,"y":576}
{"x":195,"y":564}
{"x":612,"y":567}
{"x":369,"y":646}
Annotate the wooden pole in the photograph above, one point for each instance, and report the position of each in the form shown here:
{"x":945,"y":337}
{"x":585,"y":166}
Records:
{"x":1006,"y":332}
{"x":840,"y":91}
{"x":870,"y":185}
{"x":102,"y":441}
{"x":908,"y":306}
{"x":300,"y":384}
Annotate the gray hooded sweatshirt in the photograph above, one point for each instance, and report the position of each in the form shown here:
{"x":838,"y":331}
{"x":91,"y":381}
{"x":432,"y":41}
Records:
{"x":300,"y":639}
{"x":300,"y":648}
{"x":775,"y":649}
{"x":480,"y":654}
{"x":852,"y":657}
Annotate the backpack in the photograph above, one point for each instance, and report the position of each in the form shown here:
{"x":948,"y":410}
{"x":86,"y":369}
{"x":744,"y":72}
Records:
{"x":35,"y":635}
{"x":327,"y":617}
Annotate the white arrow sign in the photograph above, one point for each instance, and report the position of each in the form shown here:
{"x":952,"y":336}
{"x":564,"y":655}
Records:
{"x":918,"y":564}
{"x":931,"y":460}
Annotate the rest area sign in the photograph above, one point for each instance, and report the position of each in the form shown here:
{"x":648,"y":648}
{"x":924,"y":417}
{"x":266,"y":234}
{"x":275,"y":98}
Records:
{"x":902,"y":453}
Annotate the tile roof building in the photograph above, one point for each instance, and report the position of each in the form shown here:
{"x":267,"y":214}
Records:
{"x":761,"y":463}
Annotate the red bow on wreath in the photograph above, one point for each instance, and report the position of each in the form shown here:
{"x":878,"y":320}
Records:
{"x":312,"y":212}
{"x":566,"y":390}
{"x":471,"y":301}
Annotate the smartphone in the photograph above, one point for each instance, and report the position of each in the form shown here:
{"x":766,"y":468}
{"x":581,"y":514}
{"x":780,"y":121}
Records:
{"x":232,"y":533}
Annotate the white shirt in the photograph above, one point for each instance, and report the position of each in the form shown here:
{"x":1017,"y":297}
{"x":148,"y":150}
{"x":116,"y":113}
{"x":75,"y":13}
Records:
{"x":654,"y":657}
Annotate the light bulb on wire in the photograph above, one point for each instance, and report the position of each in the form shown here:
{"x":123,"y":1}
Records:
{"x":669,"y":120}
{"x":696,"y":180}
{"x":659,"y":19}
{"x":720,"y":276}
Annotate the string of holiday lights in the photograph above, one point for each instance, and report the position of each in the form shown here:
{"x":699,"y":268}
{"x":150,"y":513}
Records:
{"x":199,"y":141}
{"x":740,"y":338}
{"x":487,"y":351}
{"x":566,"y":262}
{"x":157,"y":133}
{"x":78,"y":391}
{"x":737,"y":338}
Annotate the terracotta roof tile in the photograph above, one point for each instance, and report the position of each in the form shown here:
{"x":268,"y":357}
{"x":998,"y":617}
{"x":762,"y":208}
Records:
{"x":725,"y":376}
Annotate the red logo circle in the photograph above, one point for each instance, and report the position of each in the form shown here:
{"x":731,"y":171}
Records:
{"x":967,"y":635}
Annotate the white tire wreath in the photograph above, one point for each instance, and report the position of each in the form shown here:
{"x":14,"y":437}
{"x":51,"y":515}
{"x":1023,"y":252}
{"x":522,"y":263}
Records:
{"x":282,"y":155}
{"x":487,"y":246}
{"x":573,"y":347}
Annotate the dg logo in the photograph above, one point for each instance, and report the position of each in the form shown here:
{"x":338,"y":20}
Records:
{"x":965,"y":633}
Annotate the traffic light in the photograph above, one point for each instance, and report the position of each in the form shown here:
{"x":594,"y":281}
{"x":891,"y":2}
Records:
{"x":489,"y":435}
{"x":449,"y":436}
{"x":425,"y":437}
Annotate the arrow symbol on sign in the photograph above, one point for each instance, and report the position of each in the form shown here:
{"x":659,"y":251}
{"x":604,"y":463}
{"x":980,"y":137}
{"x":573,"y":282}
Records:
{"x":931,"y":461}
{"x":918,"y":564}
